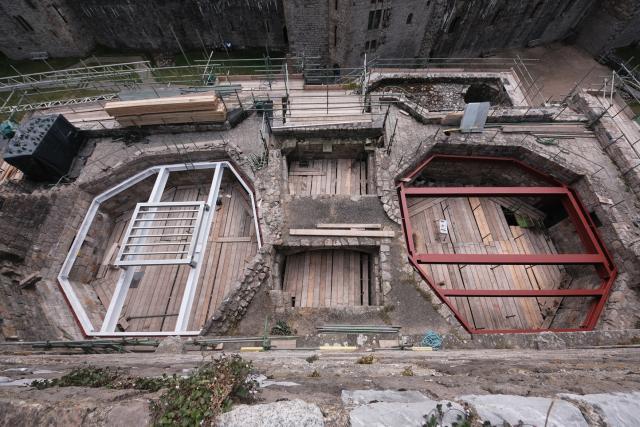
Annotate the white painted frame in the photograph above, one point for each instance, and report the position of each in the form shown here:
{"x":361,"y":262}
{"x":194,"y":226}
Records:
{"x":187,"y":259}
{"x":117,"y":301}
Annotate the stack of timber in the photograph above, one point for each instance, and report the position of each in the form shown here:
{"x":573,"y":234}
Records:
{"x":170,"y":110}
{"x":9,"y":173}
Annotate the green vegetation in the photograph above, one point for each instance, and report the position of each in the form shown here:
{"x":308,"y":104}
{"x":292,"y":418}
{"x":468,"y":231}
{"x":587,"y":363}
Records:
{"x":28,"y":67}
{"x":366,"y":360}
{"x":314,"y":374}
{"x":437,"y":417}
{"x":103,"y":378}
{"x":207,"y":392}
{"x":407,"y":372}
{"x":281,"y":328}
{"x":197,"y":399}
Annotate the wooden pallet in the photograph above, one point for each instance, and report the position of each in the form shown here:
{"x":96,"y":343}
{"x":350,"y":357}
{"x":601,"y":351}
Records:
{"x":9,"y":173}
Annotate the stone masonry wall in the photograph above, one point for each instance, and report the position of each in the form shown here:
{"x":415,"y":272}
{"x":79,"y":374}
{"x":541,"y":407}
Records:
{"x":308,"y":28}
{"x":338,"y":31}
{"x":28,"y":26}
{"x":129,"y":24}
{"x":614,"y":23}
{"x":75,"y":27}
{"x":234,"y":306}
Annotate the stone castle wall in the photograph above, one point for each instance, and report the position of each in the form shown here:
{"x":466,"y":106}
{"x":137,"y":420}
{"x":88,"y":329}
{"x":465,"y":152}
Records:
{"x":337,"y":31}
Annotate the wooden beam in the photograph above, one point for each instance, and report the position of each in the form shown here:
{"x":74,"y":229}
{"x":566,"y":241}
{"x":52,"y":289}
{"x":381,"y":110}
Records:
{"x":350,"y":226}
{"x":340,"y":233}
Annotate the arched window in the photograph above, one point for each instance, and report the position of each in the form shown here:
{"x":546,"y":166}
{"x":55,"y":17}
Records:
{"x":409,"y":18}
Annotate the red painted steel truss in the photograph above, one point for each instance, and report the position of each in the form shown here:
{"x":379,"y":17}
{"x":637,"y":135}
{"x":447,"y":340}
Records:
{"x":594,"y":254}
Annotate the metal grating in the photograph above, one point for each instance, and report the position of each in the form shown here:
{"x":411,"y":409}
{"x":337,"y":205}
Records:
{"x":162,"y":234}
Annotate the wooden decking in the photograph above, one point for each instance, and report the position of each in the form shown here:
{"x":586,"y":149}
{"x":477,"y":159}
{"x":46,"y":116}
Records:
{"x":328,"y":176}
{"x":328,"y":278}
{"x":153,"y":300}
{"x":479,"y":226}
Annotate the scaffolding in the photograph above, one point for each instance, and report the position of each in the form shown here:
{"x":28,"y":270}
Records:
{"x":302,"y":93}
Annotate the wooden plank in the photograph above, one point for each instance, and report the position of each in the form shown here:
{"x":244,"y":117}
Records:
{"x":340,"y":178}
{"x":337,"y":282}
{"x":495,"y":219}
{"x":350,"y":226}
{"x":232,"y":239}
{"x":419,"y":204}
{"x":344,"y":233}
{"x":481,"y":220}
{"x":328,"y":277}
{"x":319,"y":301}
{"x":173,"y":118}
{"x":312,"y":278}
{"x":205,"y":303}
{"x":307,"y":173}
{"x":300,"y":278}
{"x":305,"y":280}
{"x":365,"y":278}
{"x":162,"y":105}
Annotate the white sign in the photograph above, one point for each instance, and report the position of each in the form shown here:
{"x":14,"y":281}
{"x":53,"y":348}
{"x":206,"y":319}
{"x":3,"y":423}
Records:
{"x":444,"y":226}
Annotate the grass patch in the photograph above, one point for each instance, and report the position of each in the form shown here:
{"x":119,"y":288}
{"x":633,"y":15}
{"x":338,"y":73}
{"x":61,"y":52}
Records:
{"x":27,"y":66}
{"x":195,"y":400}
{"x":314,"y":374}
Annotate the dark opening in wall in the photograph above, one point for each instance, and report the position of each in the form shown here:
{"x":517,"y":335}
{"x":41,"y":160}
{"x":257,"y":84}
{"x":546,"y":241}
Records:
{"x":335,"y":35}
{"x":375,"y":16}
{"x":410,"y":18}
{"x":386,"y":18}
{"x":482,"y":92}
{"x":510,"y":217}
{"x":595,"y":219}
{"x":285,"y":35}
{"x":554,"y":213}
{"x":335,"y":5}
{"x":23,"y":23}
{"x":371,"y":45}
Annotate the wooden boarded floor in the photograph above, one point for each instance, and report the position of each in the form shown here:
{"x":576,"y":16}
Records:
{"x":328,"y":278}
{"x":328,"y":176}
{"x":479,"y":226}
{"x":153,"y":301}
